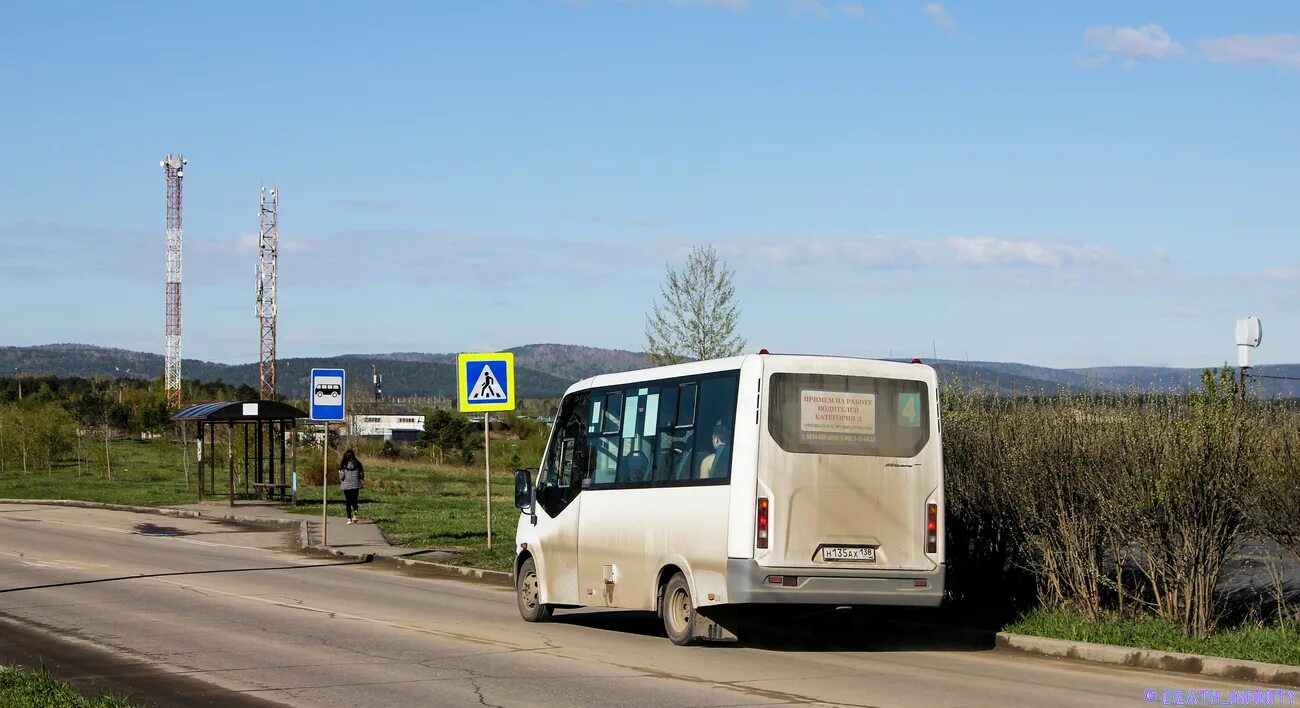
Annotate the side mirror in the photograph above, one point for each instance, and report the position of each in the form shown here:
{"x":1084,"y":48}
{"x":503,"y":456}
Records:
{"x":524,"y":490}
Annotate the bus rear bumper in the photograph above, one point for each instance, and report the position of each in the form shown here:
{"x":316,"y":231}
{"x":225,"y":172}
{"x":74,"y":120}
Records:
{"x":748,"y":582}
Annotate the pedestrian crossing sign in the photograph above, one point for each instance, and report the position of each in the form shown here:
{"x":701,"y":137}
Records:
{"x":486,"y":382}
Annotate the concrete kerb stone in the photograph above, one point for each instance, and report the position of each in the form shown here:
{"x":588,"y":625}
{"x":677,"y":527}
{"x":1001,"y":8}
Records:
{"x":423,"y":567}
{"x":1239,"y":669}
{"x":158,"y":510}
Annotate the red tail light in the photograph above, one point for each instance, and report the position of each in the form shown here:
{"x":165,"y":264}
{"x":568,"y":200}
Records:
{"x":762,"y":522}
{"x":931,"y":528}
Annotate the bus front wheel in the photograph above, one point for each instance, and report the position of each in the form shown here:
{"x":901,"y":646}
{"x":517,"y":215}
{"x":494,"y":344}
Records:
{"x":678,"y":611}
{"x":526,"y":591}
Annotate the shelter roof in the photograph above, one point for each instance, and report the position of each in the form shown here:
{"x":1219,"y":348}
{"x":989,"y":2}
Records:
{"x":235,"y":411}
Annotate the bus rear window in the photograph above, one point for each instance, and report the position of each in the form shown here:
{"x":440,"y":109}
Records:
{"x":849,"y":415}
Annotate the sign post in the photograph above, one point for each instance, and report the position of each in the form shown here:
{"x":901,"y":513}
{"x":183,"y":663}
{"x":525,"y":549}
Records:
{"x":486,"y":383}
{"x":327,"y":396}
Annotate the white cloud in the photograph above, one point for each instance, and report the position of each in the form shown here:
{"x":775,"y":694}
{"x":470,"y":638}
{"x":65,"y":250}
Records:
{"x":1276,"y":49}
{"x":735,"y":5}
{"x":808,"y":7}
{"x":988,"y":250}
{"x":893,"y":252}
{"x":941,"y":18}
{"x":1282,"y":273}
{"x":1136,"y":43}
{"x":853,"y":10}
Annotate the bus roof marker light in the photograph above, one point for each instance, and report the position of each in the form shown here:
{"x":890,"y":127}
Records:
{"x":764,"y":351}
{"x":916,"y":360}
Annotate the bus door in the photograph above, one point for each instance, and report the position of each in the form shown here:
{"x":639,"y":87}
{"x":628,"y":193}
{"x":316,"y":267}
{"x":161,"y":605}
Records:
{"x":618,"y":512}
{"x":559,"y":483}
{"x":847,"y":467}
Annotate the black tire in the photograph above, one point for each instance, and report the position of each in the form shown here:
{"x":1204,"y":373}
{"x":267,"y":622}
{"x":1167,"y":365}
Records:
{"x":678,"y":611}
{"x":526,"y":593}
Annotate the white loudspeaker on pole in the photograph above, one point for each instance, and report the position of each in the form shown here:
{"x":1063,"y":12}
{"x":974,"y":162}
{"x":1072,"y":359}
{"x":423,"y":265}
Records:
{"x":1249,"y":334}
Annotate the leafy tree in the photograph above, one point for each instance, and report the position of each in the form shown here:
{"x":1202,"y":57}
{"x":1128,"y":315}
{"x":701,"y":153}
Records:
{"x":697,"y":314}
{"x":54,"y":434}
{"x":449,"y":432}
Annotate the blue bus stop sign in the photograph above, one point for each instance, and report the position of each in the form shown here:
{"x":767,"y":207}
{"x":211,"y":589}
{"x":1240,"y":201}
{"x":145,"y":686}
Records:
{"x":327,"y":395}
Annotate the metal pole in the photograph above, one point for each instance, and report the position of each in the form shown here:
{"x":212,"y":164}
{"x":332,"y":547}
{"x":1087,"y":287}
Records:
{"x":487,"y":475}
{"x":230,"y":447}
{"x":185,"y":455}
{"x":201,"y":480}
{"x":325,"y":488}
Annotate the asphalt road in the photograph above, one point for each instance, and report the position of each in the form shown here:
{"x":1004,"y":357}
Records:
{"x":192,"y":612}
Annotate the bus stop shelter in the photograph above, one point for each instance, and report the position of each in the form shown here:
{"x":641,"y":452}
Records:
{"x":261,"y":432}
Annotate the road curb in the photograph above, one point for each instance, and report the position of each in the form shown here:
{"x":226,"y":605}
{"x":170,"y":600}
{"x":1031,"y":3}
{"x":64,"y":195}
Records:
{"x":158,"y":510}
{"x":1238,"y":669}
{"x":457,"y":572}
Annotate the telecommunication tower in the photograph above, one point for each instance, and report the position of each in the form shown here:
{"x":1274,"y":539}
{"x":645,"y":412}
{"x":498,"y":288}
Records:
{"x":174,"y":169}
{"x":268,"y":252}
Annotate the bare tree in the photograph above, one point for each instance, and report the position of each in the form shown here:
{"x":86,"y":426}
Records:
{"x":697,"y":313}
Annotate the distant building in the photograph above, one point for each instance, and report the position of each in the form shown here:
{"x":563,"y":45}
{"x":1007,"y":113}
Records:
{"x":387,"y":421}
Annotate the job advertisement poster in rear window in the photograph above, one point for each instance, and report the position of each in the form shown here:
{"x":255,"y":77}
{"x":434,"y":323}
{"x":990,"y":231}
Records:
{"x":837,"y":417}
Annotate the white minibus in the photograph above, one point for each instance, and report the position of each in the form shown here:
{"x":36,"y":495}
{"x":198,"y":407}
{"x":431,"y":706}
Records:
{"x":729,"y":484}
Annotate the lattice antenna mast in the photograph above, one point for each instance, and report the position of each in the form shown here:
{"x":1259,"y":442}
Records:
{"x":268,"y":256}
{"x":174,"y":169}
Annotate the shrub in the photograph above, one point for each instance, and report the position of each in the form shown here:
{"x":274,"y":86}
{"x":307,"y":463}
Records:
{"x":1116,"y":502}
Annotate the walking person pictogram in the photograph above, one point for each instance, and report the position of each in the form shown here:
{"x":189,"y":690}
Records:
{"x":488,"y":389}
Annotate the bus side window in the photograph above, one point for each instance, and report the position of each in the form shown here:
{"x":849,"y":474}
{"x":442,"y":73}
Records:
{"x":686,"y":405}
{"x":640,"y":409}
{"x":665,"y":455}
{"x":717,"y":416}
{"x":603,"y":443}
{"x":682,"y":434}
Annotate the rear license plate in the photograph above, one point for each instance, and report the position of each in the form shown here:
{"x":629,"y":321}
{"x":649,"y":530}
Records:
{"x":848,"y":553}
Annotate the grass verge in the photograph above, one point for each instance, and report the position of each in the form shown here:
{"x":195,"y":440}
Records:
{"x":22,"y":688}
{"x":415,"y":503}
{"x":425,"y":506}
{"x":1276,"y":643}
{"x":144,"y":473}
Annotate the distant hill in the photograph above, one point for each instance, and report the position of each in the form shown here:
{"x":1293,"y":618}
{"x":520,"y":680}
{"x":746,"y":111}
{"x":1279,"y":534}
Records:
{"x":546,"y":370}
{"x":577,"y":362}
{"x":404,"y":375}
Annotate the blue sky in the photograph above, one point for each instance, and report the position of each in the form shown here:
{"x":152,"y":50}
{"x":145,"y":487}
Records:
{"x":1113,"y":183}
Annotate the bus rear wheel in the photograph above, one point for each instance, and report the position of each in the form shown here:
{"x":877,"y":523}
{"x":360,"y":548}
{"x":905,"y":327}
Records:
{"x":528,"y":595}
{"x":678,"y":610}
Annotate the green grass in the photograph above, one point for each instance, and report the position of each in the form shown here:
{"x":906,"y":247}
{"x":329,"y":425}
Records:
{"x":21,"y":688}
{"x":422,"y":505}
{"x":1275,"y":643}
{"x":145,"y":473}
{"x":415,"y":503}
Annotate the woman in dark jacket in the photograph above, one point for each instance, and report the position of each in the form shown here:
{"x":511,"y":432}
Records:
{"x":350,"y":475}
